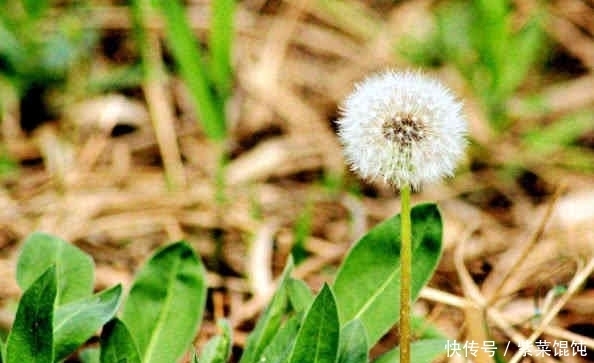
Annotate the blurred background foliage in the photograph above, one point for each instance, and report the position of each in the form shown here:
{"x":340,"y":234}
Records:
{"x":480,"y":39}
{"x":129,"y":123}
{"x":501,"y":48}
{"x":41,"y":50}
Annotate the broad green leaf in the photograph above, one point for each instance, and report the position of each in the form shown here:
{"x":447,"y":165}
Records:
{"x":270,"y":321}
{"x":89,"y":355}
{"x":218,"y":349}
{"x":422,"y":351}
{"x":166,"y":302}
{"x":281,"y":344}
{"x":318,"y":338}
{"x":300,"y":294}
{"x":31,"y":339}
{"x":76,"y":322}
{"x":74,"y":268}
{"x":367,"y":286}
{"x":353,"y":343}
{"x":117,"y":345}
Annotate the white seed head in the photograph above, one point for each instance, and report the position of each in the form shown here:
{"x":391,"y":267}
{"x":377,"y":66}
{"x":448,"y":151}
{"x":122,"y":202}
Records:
{"x":402,"y":127}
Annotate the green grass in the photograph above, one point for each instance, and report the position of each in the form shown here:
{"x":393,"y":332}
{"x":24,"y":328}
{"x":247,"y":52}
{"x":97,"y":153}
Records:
{"x":479,"y":39}
{"x":209,"y":83}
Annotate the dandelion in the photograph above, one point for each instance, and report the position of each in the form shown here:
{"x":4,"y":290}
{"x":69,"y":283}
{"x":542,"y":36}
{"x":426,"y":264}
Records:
{"x":407,"y":129}
{"x":402,"y":127}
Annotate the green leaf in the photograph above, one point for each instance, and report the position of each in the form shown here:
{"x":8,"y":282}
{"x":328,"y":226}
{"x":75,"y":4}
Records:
{"x":74,"y":268}
{"x":367,"y":286}
{"x":31,"y":339}
{"x":89,"y":355}
{"x":166,"y":302}
{"x":318,"y":337}
{"x":218,"y":349}
{"x":422,"y":351}
{"x":353,"y":343}
{"x":117,"y":345}
{"x":421,"y":51}
{"x":300,"y":294}
{"x":270,"y":321}
{"x":281,"y":344}
{"x":77,"y":321}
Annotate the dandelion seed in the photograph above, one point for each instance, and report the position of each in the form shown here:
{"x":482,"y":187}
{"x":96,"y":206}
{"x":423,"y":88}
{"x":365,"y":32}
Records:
{"x":402,"y":127}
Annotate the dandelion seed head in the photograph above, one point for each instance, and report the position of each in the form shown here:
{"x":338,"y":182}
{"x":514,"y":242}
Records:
{"x":404,"y":128}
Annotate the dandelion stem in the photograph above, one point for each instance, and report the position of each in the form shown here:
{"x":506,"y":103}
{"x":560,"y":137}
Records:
{"x":405,"y":274}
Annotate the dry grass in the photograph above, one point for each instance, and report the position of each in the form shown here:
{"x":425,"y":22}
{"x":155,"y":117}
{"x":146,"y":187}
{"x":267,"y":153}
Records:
{"x":508,"y":243}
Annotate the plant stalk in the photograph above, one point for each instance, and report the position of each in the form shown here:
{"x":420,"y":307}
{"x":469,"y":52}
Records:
{"x":405,"y":274}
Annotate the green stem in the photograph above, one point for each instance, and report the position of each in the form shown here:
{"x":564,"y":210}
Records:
{"x":405,"y":274}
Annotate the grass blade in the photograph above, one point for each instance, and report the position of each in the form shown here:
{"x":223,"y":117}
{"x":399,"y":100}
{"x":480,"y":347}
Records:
{"x":220,"y":42}
{"x":157,"y":97}
{"x":182,"y":42}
